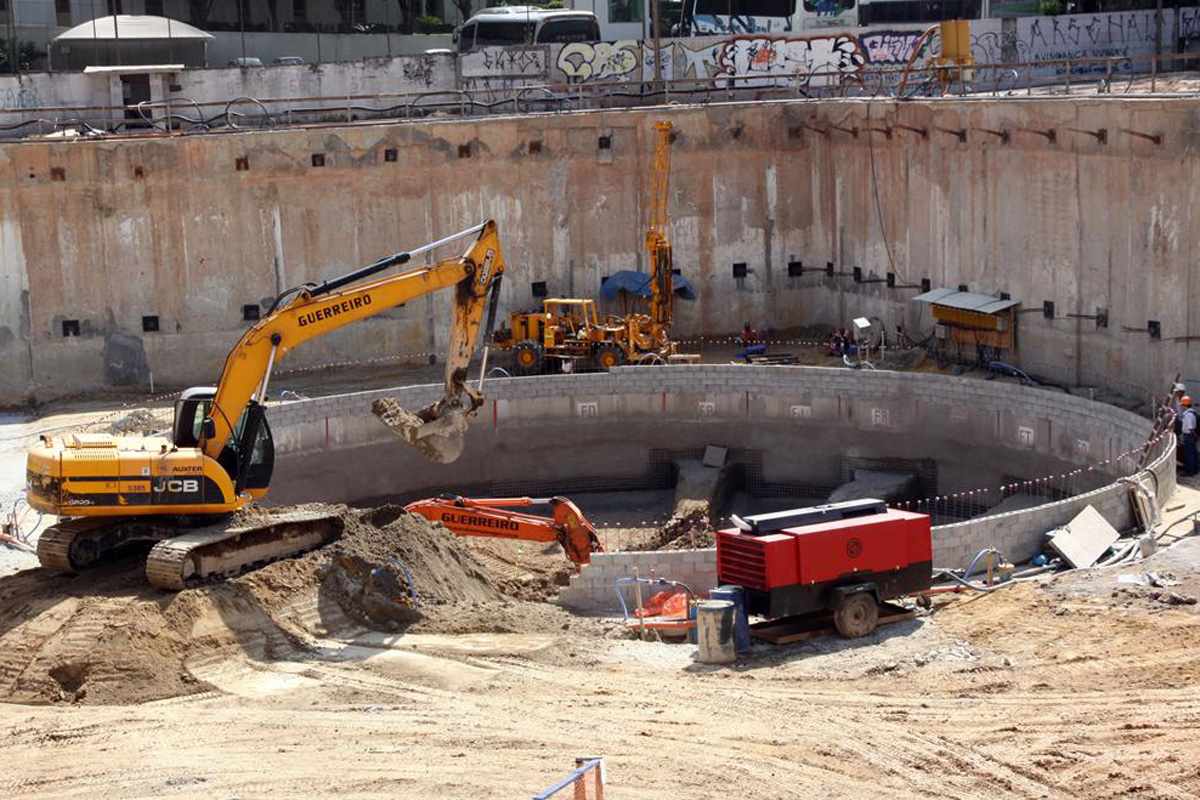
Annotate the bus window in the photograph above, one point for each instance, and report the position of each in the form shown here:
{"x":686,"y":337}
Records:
{"x":740,"y":16}
{"x":466,"y":38}
{"x":569,"y":30}
{"x":873,"y":12}
{"x":828,"y":8}
{"x":499,"y":34}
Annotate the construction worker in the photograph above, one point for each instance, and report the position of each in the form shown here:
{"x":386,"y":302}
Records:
{"x":1188,"y":443}
{"x":749,"y":335}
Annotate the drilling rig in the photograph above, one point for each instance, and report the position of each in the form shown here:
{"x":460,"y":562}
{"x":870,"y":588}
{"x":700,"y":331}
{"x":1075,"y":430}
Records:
{"x":567,"y":334}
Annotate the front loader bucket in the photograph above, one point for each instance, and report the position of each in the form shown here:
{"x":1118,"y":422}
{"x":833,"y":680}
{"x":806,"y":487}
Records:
{"x":438,"y":433}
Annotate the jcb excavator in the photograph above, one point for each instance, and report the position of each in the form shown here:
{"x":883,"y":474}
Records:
{"x":180,"y":491}
{"x":490,"y":517}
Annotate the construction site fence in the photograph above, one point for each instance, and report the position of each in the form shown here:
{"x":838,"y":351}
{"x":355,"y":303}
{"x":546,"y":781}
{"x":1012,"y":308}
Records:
{"x":182,"y":115}
{"x":585,"y":782}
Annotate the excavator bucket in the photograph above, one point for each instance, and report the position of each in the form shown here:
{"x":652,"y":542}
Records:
{"x":437,"y":431}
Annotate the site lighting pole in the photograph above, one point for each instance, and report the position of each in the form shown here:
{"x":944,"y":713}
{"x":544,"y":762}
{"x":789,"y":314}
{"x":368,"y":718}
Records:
{"x":657,"y":37}
{"x":12,"y":39}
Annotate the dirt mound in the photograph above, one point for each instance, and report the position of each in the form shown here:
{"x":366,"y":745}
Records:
{"x":390,"y":564}
{"x":107,"y":637}
{"x":686,"y":531}
{"x":139,"y":421}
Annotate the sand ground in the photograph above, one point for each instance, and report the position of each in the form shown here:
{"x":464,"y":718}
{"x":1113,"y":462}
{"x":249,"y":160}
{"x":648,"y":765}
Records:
{"x":1079,"y":686}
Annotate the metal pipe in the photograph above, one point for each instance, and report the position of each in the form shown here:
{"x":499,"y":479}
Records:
{"x":262,"y":391}
{"x":390,"y":261}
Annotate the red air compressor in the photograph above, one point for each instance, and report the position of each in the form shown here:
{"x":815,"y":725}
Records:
{"x":843,"y":557}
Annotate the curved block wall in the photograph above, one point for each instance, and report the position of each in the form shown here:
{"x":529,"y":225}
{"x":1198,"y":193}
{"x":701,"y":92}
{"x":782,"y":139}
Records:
{"x":568,"y":430}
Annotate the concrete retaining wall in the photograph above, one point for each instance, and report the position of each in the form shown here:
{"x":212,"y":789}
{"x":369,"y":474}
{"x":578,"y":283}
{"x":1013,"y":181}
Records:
{"x":172,"y":228}
{"x":567,"y":430}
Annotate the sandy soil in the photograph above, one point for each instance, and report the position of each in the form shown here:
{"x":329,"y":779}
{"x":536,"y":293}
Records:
{"x":1053,"y":689}
{"x":1079,"y":686}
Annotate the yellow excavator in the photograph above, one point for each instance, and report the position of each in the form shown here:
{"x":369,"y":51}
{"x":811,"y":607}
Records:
{"x":181,"y":492}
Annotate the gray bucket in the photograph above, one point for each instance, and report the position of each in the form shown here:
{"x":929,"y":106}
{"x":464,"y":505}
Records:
{"x":714,"y":627}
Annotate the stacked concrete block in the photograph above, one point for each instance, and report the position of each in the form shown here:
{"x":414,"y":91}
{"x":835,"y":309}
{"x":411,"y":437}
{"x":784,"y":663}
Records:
{"x":978,"y":413}
{"x":593,"y":590}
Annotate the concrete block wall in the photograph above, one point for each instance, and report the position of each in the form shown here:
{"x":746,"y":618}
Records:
{"x":613,"y":419}
{"x":593,"y":589}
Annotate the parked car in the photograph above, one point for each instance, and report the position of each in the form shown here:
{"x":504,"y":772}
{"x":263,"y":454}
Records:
{"x":288,"y":60}
{"x":248,"y":61}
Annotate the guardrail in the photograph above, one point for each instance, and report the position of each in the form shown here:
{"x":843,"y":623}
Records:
{"x":578,"y":781}
{"x":182,"y":115}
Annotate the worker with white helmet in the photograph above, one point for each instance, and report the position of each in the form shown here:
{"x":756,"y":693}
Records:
{"x":1177,"y":393}
{"x":1188,"y":420}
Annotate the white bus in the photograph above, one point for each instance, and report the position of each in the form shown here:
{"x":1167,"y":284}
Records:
{"x":736,"y":17}
{"x":511,"y":25}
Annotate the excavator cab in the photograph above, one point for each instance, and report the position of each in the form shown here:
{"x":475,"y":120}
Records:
{"x":249,"y":455}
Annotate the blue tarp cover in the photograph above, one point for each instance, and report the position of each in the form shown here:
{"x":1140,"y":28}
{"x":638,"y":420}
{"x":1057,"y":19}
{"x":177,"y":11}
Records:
{"x":638,"y":283}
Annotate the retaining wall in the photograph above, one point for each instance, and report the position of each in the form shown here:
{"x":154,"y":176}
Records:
{"x":535,"y":434}
{"x":172,"y":228}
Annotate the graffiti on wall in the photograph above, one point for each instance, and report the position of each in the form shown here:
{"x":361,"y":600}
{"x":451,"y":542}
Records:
{"x":808,"y":61}
{"x":588,"y":61}
{"x":20,"y":98}
{"x":812,"y":60}
{"x":1087,"y":36}
{"x":420,"y":70}
{"x":1189,"y":24}
{"x":499,"y":62}
{"x":898,"y":48}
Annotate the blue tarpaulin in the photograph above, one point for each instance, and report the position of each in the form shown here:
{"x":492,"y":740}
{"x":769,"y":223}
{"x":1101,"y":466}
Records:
{"x":638,"y":284}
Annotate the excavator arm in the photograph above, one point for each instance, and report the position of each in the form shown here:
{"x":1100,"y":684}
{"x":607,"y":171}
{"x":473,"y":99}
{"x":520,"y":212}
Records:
{"x":492,"y":518}
{"x":314,"y":310}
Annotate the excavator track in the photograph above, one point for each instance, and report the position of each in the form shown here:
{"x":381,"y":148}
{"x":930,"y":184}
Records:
{"x":220,"y":551}
{"x":76,"y":544}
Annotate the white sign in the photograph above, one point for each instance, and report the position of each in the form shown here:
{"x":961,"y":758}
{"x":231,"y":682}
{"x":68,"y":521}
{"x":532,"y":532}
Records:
{"x":801,"y":412}
{"x":1025,"y":436}
{"x":588,"y":409}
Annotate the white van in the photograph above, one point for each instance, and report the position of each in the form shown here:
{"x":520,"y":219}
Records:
{"x":509,"y":25}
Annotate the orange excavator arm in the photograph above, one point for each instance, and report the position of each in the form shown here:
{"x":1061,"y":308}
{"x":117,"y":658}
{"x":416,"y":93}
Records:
{"x":494,"y":518}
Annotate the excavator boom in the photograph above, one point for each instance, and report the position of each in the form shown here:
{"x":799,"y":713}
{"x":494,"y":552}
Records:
{"x":492,"y":518}
{"x":319,"y":309}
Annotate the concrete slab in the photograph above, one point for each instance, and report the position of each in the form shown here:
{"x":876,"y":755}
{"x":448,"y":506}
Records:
{"x":1084,"y":539}
{"x":715,"y":456}
{"x":869,"y":483}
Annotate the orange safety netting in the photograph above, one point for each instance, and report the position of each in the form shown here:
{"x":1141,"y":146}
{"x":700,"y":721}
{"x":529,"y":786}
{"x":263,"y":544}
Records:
{"x":672,"y":603}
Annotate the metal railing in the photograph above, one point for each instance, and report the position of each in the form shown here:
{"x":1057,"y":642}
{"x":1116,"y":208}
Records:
{"x":586,"y":781}
{"x":183,"y":115}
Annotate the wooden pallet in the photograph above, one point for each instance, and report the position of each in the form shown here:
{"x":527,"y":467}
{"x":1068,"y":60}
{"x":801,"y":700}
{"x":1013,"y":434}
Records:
{"x":789,"y":630}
